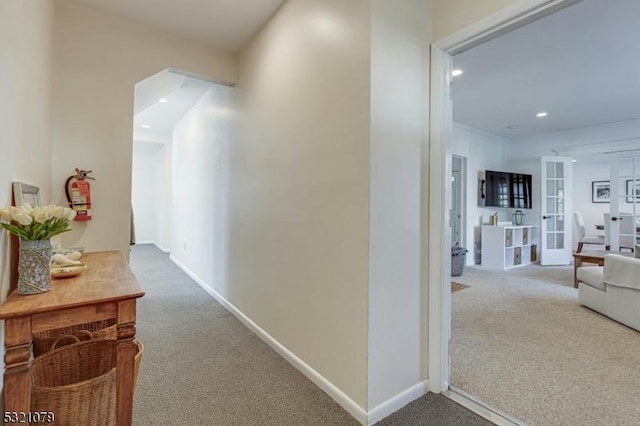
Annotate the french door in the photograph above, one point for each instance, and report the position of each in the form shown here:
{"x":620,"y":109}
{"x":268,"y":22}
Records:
{"x":556,"y":189}
{"x":623,"y":220}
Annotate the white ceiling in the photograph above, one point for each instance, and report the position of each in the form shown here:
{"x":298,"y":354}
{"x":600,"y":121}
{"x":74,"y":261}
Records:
{"x":181,"y":93}
{"x":228,"y":24}
{"x":581,"y":65}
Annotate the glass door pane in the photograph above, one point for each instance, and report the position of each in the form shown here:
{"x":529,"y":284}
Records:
{"x":556,"y":208}
{"x":625,"y":204}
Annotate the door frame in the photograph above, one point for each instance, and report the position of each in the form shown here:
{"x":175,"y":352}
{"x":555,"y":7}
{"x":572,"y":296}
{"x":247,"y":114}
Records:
{"x":463,"y":198}
{"x":437,"y":188}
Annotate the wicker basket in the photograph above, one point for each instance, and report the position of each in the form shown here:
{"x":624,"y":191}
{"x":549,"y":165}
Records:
{"x":77,"y":382}
{"x":44,"y":341}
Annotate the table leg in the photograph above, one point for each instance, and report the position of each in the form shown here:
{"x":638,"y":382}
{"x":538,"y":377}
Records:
{"x":125,"y":361}
{"x":17,"y":373}
{"x":577,"y":262}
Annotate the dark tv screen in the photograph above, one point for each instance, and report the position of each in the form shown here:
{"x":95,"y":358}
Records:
{"x":509,"y":190}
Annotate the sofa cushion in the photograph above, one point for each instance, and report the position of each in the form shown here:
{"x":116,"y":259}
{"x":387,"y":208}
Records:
{"x":622,"y":271}
{"x":592,"y":275}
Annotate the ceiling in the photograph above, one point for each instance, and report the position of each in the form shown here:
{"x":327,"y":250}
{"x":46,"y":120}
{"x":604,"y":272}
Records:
{"x":581,"y":65}
{"x":180,"y":92}
{"x":229,"y":24}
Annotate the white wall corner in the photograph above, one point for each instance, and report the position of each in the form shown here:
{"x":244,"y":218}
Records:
{"x":161,"y":248}
{"x":336,"y":394}
{"x":395,"y":403}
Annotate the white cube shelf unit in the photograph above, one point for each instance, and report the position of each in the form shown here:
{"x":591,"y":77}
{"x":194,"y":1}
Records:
{"x":505,"y":247}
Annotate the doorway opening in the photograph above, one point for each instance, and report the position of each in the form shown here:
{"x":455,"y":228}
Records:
{"x":441,"y":139}
{"x":175,"y":115}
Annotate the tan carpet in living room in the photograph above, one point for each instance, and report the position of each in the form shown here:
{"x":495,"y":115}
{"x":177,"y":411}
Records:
{"x":522,"y":343}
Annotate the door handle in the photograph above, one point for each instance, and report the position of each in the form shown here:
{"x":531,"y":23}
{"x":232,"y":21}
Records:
{"x":615,"y":218}
{"x":546,"y":217}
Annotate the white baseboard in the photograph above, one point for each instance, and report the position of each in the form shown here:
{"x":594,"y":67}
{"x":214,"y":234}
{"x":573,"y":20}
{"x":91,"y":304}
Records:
{"x":140,"y":243}
{"x":395,"y":403}
{"x":161,"y":248}
{"x":340,"y":397}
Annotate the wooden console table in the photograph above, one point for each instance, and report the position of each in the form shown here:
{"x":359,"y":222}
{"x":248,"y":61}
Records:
{"x":108,"y":290}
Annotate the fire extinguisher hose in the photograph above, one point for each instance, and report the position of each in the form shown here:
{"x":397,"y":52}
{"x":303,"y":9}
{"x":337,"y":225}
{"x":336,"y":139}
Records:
{"x":66,"y":190}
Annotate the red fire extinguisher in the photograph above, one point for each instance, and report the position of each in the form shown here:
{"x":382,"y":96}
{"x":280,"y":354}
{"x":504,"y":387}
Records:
{"x":78,"y":193}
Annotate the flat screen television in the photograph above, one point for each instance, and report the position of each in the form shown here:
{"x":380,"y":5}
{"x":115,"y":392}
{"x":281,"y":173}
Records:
{"x":509,"y":190}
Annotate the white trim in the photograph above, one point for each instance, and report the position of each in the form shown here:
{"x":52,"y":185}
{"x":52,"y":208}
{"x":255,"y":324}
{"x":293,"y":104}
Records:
{"x":395,"y":403}
{"x":161,"y":248}
{"x":501,"y":22}
{"x":492,"y":414}
{"x":439,"y":265}
{"x":142,"y":243}
{"x":480,"y":132}
{"x":340,"y":397}
{"x":438,"y":191}
{"x":201,"y":77}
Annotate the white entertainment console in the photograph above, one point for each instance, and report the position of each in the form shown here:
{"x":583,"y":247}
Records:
{"x":506,"y":246}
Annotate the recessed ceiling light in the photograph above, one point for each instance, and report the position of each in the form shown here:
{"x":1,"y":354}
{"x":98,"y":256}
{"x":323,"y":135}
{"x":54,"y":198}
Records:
{"x":163,"y":100}
{"x":145,"y":126}
{"x":456,"y":72}
{"x":574,"y":160}
{"x":541,"y":114}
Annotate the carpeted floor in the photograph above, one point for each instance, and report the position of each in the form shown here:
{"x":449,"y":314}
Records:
{"x":201,"y":366}
{"x":522,"y":343}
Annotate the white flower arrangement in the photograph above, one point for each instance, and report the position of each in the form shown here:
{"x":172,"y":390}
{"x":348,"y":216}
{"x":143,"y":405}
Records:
{"x":36,"y":223}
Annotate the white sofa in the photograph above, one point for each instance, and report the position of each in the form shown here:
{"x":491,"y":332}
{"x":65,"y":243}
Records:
{"x":612,"y":289}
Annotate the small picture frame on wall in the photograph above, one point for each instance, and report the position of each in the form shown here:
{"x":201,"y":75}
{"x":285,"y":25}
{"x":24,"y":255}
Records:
{"x":601,"y":191}
{"x":26,"y":194}
{"x":633,"y":192}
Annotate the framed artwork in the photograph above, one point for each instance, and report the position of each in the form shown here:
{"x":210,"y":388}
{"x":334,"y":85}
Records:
{"x":633,"y":192}
{"x":601,"y":191}
{"x":26,"y":194}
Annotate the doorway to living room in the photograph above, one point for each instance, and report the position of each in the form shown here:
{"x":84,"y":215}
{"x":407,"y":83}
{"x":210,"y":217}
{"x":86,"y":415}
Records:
{"x":532,"y":139}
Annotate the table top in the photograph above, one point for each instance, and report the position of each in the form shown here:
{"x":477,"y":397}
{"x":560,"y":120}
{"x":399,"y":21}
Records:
{"x":599,"y":254}
{"x":108,"y":278}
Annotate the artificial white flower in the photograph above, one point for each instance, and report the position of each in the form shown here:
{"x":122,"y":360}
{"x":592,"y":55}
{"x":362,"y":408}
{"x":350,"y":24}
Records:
{"x":61,"y":212}
{"x":22,"y":216}
{"x":5,"y":214}
{"x":50,"y":221}
{"x":40,"y":214}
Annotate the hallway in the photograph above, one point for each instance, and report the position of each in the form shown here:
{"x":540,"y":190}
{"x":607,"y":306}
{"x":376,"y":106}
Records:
{"x":201,"y":366}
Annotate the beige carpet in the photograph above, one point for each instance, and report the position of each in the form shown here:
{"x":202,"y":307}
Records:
{"x":521,"y":343}
{"x":201,"y":366}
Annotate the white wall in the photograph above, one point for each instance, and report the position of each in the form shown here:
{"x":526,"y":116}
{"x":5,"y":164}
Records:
{"x":143,"y":192}
{"x":592,"y":213}
{"x":483,"y":151}
{"x":299,"y":184}
{"x":587,"y":143}
{"x":199,"y":189}
{"x":26,"y":28}
{"x":98,"y":59}
{"x":162,"y":188}
{"x":399,"y":104}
